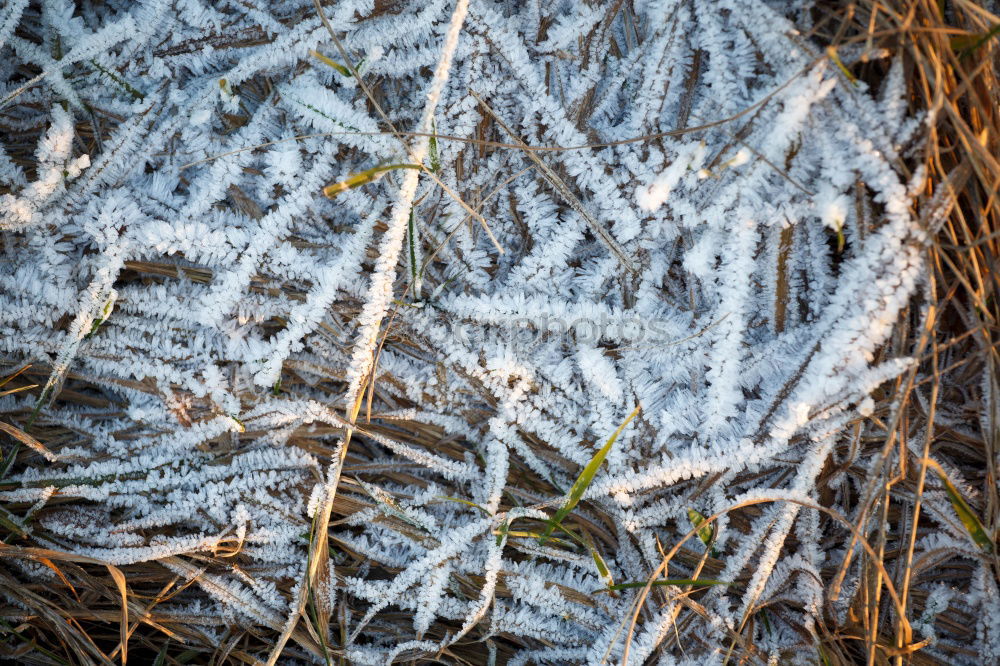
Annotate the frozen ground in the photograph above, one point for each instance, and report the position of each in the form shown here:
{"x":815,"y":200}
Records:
{"x":474,"y":330}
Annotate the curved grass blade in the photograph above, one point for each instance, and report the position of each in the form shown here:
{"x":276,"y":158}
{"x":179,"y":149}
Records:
{"x":602,"y":567}
{"x":463,"y":501}
{"x":586,"y":477}
{"x":343,"y":71}
{"x":831,"y":52}
{"x":31,"y":553}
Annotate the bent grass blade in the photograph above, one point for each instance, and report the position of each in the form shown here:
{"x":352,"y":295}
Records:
{"x":343,"y":71}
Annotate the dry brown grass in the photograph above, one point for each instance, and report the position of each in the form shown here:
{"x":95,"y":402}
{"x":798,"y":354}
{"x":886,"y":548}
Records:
{"x":951,"y":66}
{"x":952,"y":69}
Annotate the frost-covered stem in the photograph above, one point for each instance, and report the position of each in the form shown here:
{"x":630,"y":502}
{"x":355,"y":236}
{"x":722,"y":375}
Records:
{"x":380,"y":290}
{"x":809,"y":469}
{"x":492,"y":572}
{"x":98,"y":291}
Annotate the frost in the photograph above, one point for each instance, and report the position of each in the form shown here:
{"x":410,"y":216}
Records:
{"x":688,"y":158}
{"x":832,"y":208}
{"x":172,"y":246}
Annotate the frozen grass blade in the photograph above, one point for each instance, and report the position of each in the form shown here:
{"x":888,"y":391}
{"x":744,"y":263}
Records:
{"x":119,"y":81}
{"x":414,"y":257}
{"x":388,"y":505}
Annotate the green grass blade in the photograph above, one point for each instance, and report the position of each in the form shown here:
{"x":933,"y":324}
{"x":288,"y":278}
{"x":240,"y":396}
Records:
{"x":967,"y":44}
{"x":161,"y":657}
{"x":965,"y":513}
{"x":349,"y":128}
{"x":502,"y":532}
{"x":463,"y":501}
{"x":831,"y":52}
{"x":332,"y":63}
{"x":8,"y":522}
{"x":528,"y":534}
{"x":135,"y":93}
{"x":363,"y":178}
{"x":706,"y":531}
{"x":432,"y":149}
{"x":586,"y":477}
{"x":9,"y":629}
{"x":699,"y":582}
{"x":186,"y":656}
{"x":602,"y":567}
{"x":765,"y":620}
{"x":101,"y":318}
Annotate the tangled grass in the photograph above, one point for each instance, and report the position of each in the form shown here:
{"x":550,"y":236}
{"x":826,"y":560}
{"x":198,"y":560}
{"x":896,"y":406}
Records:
{"x":945,"y":409}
